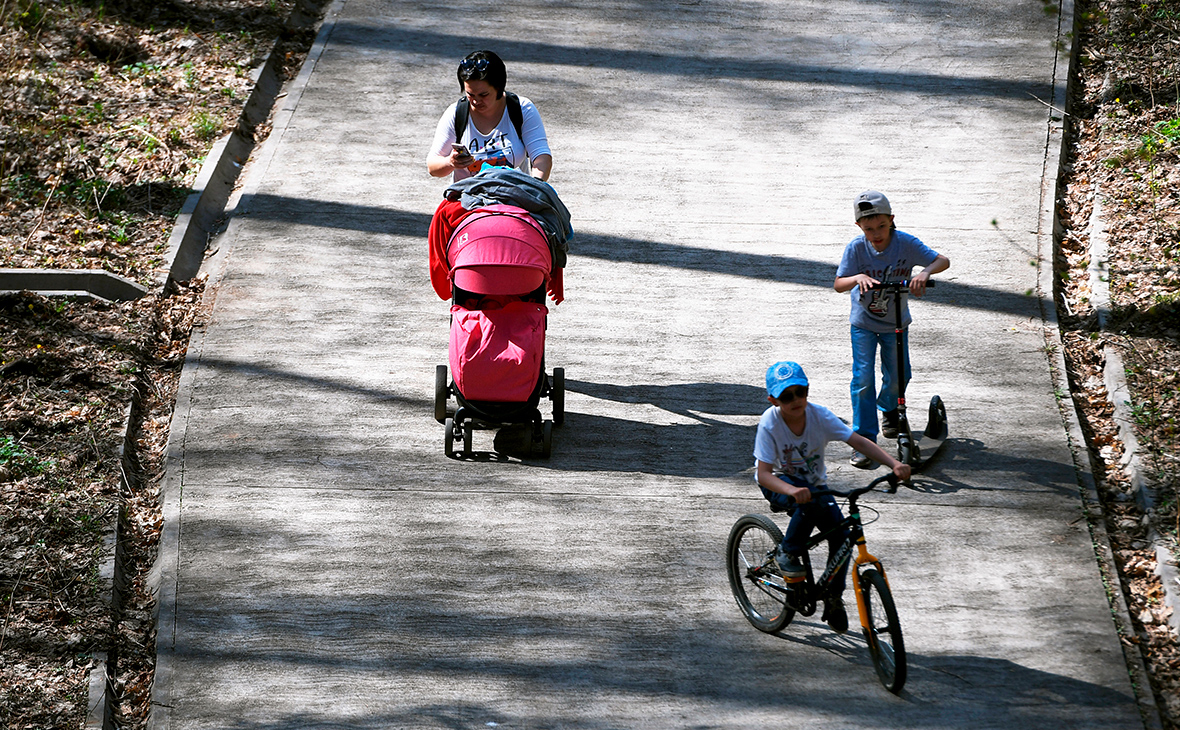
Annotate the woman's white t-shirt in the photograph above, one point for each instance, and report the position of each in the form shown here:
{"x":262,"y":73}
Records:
{"x":502,"y":146}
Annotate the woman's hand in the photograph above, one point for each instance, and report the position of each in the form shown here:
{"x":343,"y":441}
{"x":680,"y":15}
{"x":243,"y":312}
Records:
{"x":460,"y":160}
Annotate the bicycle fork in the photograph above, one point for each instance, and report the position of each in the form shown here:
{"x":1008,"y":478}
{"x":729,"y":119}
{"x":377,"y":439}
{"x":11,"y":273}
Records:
{"x":864,"y":558}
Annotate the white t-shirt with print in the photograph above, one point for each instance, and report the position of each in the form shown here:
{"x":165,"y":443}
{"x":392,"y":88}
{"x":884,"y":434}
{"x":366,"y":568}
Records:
{"x":502,"y":146}
{"x":801,"y":456}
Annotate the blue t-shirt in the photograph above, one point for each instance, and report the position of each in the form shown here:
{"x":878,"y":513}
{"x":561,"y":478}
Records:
{"x":873,"y":310}
{"x":800,"y":456}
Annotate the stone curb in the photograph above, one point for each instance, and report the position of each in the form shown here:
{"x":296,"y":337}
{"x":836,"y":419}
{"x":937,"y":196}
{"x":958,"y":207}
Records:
{"x":162,"y":580}
{"x":1049,"y":233}
{"x":1118,"y":394}
{"x":74,"y":283}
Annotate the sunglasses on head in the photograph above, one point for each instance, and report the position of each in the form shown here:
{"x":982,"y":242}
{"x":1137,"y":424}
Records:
{"x":790,"y":394}
{"x":472,"y":67}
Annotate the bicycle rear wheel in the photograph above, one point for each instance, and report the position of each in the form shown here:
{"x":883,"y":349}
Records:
{"x":884,"y":631}
{"x":758,"y":588}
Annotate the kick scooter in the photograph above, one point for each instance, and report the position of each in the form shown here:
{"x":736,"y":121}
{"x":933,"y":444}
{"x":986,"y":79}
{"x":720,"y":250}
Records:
{"x":912,"y":449}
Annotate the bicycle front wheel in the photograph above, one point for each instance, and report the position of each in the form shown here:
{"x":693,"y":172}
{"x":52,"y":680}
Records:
{"x":883,"y":632}
{"x":758,"y":588}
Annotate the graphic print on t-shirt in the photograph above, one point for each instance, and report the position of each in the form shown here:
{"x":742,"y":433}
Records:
{"x":879,"y":299}
{"x":796,"y":463}
{"x":878,"y":303}
{"x":495,"y":149}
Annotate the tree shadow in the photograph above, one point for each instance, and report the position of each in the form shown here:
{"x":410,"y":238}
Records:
{"x":663,"y":63}
{"x":764,"y":267}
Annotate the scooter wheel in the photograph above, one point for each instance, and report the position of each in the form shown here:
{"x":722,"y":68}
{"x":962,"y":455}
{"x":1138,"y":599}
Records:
{"x":909,"y":452}
{"x":936,"y":427}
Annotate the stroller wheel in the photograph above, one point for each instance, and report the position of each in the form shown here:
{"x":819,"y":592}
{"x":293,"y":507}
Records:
{"x":546,"y":439}
{"x":468,"y":428}
{"x":557,"y":395}
{"x":440,"y":393}
{"x":449,"y":437}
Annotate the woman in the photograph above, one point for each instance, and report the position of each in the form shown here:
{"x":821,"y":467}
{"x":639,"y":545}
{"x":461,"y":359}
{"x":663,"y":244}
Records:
{"x":491,"y":134}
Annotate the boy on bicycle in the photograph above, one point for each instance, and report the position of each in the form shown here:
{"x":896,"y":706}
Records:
{"x":881,"y":253}
{"x":789,"y":453}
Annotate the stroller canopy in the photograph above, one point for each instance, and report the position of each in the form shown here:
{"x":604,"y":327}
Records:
{"x":499,"y":249}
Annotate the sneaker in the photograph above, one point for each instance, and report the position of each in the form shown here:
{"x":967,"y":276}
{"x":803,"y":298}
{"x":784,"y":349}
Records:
{"x":860,"y":461}
{"x":835,"y":615}
{"x":789,"y":565}
{"x":889,"y":424}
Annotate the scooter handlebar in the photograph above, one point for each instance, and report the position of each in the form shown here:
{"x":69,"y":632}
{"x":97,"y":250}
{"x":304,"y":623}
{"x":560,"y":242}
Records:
{"x":897,"y":285}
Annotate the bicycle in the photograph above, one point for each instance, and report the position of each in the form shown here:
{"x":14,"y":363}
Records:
{"x":770,"y":602}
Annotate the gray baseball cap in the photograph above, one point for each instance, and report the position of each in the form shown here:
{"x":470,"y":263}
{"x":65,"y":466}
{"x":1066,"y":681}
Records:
{"x":871,"y":202}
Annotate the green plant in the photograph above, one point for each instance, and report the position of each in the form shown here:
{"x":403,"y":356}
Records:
{"x":18,"y":462}
{"x":205,"y":126}
{"x":190,"y":75}
{"x":94,"y":113}
{"x":140,"y":68}
{"x":30,"y":15}
{"x":119,"y":234}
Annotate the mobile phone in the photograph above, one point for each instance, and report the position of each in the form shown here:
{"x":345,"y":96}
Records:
{"x":461,"y":149}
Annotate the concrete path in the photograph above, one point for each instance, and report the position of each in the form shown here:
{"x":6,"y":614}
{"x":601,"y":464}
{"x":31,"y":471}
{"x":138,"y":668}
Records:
{"x":326,"y":566}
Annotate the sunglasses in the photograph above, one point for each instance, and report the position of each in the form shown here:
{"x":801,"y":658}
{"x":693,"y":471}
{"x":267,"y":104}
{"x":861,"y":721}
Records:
{"x":473,"y":68}
{"x":790,"y":394}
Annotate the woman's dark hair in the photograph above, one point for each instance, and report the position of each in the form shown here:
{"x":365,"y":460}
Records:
{"x":483,"y":66}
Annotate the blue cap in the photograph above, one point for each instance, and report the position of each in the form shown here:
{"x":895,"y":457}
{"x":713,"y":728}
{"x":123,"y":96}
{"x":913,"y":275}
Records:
{"x":783,"y":375}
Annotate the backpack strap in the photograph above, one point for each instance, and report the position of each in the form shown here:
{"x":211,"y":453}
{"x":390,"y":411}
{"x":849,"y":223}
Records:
{"x":515,"y":114}
{"x":463,"y":114}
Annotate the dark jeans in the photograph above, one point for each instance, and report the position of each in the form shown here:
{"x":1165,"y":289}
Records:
{"x":820,"y":513}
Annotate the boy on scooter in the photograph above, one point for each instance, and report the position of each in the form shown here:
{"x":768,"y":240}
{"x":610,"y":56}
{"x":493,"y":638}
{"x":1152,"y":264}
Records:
{"x":789,"y":452}
{"x":881,"y":253}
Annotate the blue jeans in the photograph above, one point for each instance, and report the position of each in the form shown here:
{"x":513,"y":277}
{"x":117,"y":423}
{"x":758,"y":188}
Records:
{"x":865,"y":399}
{"x":820,"y":513}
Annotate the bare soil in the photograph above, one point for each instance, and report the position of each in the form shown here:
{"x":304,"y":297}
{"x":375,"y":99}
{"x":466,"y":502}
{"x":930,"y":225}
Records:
{"x":107,"y":108}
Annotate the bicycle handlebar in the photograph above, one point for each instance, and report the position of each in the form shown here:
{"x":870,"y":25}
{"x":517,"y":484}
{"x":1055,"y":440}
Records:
{"x":854,"y":493}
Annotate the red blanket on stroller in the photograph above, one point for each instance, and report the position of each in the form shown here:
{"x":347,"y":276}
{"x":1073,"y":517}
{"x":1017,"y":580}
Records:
{"x":496,"y":354}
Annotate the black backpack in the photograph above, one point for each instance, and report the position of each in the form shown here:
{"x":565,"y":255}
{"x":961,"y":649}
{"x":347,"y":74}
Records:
{"x":463,"y":113}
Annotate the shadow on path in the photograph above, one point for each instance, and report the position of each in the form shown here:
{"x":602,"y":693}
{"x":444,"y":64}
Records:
{"x":770,"y":268}
{"x":400,"y":37}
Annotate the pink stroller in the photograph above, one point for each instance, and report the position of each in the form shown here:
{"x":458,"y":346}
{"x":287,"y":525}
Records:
{"x":499,"y":263}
